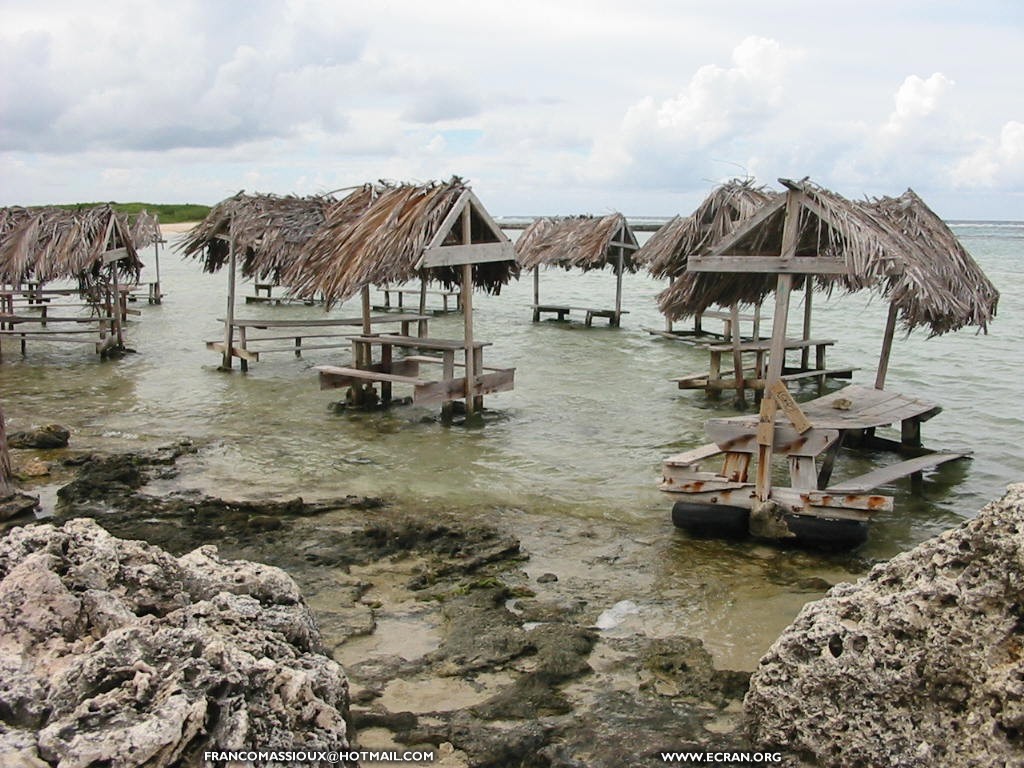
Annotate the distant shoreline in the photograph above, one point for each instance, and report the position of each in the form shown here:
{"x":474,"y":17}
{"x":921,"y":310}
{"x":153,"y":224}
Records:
{"x":178,"y":226}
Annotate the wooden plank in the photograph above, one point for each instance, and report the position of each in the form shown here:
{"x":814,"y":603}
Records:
{"x":789,"y":406}
{"x":332,"y":377}
{"x":417,"y":342}
{"x":767,"y":265}
{"x":693,"y":456}
{"x":239,"y":352}
{"x":502,"y":380}
{"x":869,"y":480}
{"x":115,"y":254}
{"x":474,"y":253}
{"x":738,"y":437}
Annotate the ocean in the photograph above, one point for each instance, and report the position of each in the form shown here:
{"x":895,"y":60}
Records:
{"x":570,"y":457}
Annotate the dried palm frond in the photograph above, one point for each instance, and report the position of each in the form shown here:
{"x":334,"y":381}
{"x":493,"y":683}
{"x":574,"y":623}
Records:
{"x":377,"y":234}
{"x":667,"y":251}
{"x":55,"y":243}
{"x":269,"y":233}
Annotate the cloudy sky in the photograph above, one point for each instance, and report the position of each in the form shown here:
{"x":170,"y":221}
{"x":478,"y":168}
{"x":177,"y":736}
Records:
{"x":546,"y":106}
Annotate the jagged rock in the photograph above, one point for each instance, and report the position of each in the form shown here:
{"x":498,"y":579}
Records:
{"x":920,"y":663}
{"x":17,"y":504}
{"x":115,"y":651}
{"x":50,"y":436}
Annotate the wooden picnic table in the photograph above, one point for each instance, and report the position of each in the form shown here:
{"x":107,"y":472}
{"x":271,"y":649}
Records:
{"x":715,"y":380}
{"x":298,"y":330}
{"x":388,"y":369}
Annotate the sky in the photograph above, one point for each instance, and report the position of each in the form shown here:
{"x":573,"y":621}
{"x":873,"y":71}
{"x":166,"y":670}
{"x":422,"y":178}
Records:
{"x":545,"y":106}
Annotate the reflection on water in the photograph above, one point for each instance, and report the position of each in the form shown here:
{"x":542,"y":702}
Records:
{"x":578,"y":442}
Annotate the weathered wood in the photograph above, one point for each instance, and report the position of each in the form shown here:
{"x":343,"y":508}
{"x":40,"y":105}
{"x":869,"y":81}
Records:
{"x":883,"y":476}
{"x":768,"y":265}
{"x":883,"y":357}
{"x":789,"y":406}
{"x":402,"y":372}
{"x":691,"y":459}
{"x":467,"y":311}
{"x":736,"y":437}
{"x":502,"y":380}
{"x":229,"y":328}
{"x":474,"y":253}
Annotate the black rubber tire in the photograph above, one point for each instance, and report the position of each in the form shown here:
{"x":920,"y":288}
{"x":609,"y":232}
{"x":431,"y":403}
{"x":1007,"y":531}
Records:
{"x":822,"y":533}
{"x":711,"y":520}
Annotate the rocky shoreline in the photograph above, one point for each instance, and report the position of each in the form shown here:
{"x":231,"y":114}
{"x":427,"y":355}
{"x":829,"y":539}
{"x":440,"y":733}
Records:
{"x":448,"y":642}
{"x":444,"y":638}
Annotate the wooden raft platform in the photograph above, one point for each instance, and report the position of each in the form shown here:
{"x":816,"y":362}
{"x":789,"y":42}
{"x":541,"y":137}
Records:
{"x":562,"y":311}
{"x":855,"y":412}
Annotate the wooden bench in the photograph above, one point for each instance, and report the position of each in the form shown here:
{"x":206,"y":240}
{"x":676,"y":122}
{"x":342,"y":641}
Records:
{"x":562,"y":311}
{"x":74,"y":335}
{"x":885,"y":475}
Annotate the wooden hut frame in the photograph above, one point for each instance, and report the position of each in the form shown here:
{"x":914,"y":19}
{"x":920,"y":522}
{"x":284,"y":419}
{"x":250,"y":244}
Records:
{"x":94,"y":246}
{"x":396,"y":233}
{"x":581,"y":242}
{"x":896,"y":245}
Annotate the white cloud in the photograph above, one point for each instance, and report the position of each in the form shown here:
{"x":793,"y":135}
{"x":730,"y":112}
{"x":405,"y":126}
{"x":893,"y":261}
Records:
{"x":998,"y":162}
{"x":711,"y":117}
{"x":916,"y":100}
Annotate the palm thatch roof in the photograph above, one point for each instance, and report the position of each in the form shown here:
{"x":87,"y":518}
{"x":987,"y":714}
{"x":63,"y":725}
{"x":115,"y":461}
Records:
{"x":55,"y":243}
{"x":582,"y":242}
{"x":895,"y":246}
{"x":270,"y":231}
{"x":380,"y":233}
{"x":146,"y":229}
{"x":665,"y":254}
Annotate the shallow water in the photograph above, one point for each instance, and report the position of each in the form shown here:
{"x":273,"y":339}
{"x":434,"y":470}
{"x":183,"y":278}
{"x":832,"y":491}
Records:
{"x":570,"y":459}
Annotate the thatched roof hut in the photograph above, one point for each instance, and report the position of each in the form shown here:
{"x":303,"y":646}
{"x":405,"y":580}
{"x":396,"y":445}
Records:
{"x":666,"y":253}
{"x":47,"y":244}
{"x":386,"y":233}
{"x":269,"y":231}
{"x":896,"y":246}
{"x":578,"y":242}
{"x":581,"y":242}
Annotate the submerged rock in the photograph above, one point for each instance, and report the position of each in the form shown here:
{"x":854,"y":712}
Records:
{"x":50,"y":436}
{"x":920,"y":663}
{"x":117,"y":652}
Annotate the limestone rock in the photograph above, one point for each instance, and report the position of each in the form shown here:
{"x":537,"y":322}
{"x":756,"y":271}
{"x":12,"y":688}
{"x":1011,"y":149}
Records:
{"x":50,"y":436}
{"x":920,"y":663}
{"x":116,"y":652}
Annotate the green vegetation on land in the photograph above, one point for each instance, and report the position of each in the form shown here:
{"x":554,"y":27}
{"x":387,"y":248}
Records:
{"x":169,"y":213}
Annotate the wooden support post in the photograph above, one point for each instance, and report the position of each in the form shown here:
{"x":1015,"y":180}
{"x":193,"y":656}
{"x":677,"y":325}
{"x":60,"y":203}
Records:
{"x":367,"y":328}
{"x":668,"y":320}
{"x":229,"y":317}
{"x":808,"y":293}
{"x":618,"y":279}
{"x":421,"y":326}
{"x":757,"y":321}
{"x":467,"y":315}
{"x":766,"y":425}
{"x":737,"y":355}
{"x":536,"y":293}
{"x":156,"y":294}
{"x":883,"y":358}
